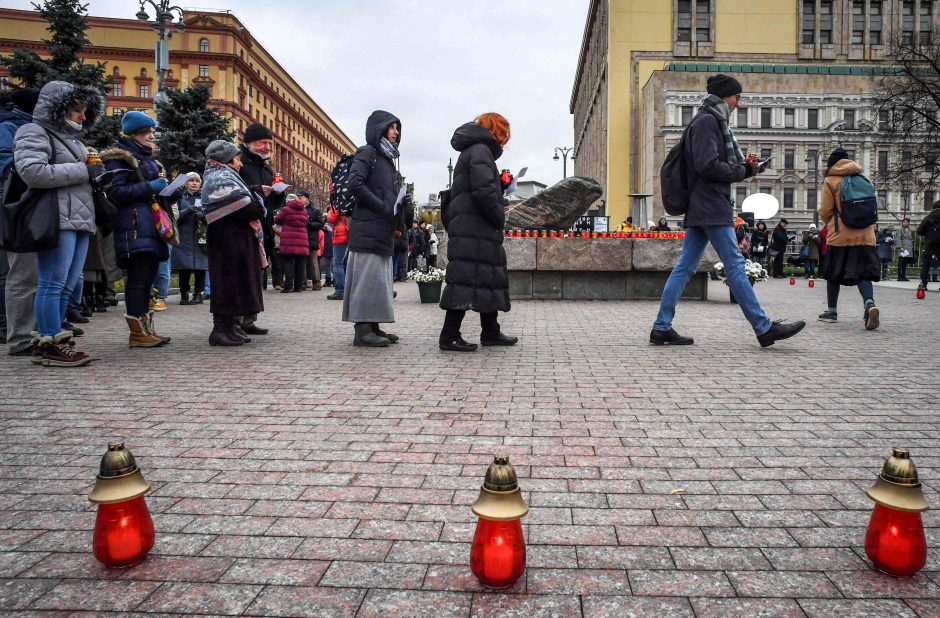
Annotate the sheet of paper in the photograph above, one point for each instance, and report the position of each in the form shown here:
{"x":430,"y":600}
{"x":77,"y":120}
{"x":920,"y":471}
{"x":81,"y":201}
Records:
{"x":401,"y":195}
{"x":171,"y":188}
{"x":513,"y":186}
{"x":522,"y":172}
{"x":279,"y":187}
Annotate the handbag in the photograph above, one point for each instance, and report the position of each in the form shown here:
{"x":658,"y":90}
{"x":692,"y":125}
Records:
{"x":166,"y":226}
{"x":29,"y":218}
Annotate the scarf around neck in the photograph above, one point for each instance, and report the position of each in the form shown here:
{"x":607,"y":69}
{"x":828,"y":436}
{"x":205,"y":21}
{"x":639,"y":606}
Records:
{"x":715,"y":106}
{"x":388,"y":149}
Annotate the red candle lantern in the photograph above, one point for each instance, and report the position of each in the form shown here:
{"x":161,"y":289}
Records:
{"x":553,"y":235}
{"x":921,"y":292}
{"x":812,"y":283}
{"x":792,"y":280}
{"x":895,"y":540}
{"x":123,"y":528}
{"x":528,"y":234}
{"x":497,"y":555}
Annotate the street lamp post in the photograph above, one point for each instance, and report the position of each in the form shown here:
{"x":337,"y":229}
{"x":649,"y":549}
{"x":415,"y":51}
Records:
{"x":564,"y":153}
{"x":164,"y":17}
{"x":450,"y":172}
{"x":814,"y":159}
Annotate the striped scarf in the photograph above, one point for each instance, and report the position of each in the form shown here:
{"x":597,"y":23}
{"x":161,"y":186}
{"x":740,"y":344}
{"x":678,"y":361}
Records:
{"x":719,"y":109}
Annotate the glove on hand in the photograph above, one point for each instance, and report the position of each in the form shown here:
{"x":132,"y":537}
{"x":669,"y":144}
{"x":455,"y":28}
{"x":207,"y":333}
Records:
{"x":94,"y":170}
{"x":158,"y":184}
{"x":752,"y":169}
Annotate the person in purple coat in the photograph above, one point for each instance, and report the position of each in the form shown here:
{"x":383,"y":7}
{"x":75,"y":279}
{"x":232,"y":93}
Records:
{"x":295,"y":246}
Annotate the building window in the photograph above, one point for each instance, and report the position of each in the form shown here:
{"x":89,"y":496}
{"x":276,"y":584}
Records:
{"x":684,"y":21}
{"x":883,"y":163}
{"x":858,"y":22}
{"x":116,"y":70}
{"x":907,"y":22}
{"x":906,"y":162}
{"x":144,"y":91}
{"x":905,"y":201}
{"x":874,"y":23}
{"x":740,"y":194}
{"x":926,"y":21}
{"x":204,"y":45}
{"x":848,"y":117}
{"x":117,"y":90}
{"x":766,"y":190}
{"x":695,"y":16}
{"x":789,"y":159}
{"x":117,"y":111}
{"x":686,"y":115}
{"x":809,"y":22}
{"x":883,"y":199}
{"x":703,"y":18}
{"x":742,"y":117}
{"x":788,"y":198}
{"x":143,"y":72}
{"x":765,"y":117}
{"x":930,"y":162}
{"x":789,"y":117}
{"x":812,"y":118}
{"x":825,"y":22}
{"x":929,"y":199}
{"x":884,"y":119}
{"x":766,"y":153}
{"x":850,"y":152}
{"x":203,"y":70}
{"x":811,"y":199}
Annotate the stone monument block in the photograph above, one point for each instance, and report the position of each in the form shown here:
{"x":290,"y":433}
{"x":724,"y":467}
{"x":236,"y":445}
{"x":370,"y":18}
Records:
{"x":581,"y":254}
{"x":520,"y":253}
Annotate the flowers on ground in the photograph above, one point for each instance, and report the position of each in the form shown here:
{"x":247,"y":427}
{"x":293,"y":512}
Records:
{"x":432,"y":275}
{"x":754,"y":271}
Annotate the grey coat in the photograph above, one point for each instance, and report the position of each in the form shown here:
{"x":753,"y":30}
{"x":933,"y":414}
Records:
{"x":709,"y":174}
{"x":32,"y":152}
{"x":905,"y":239}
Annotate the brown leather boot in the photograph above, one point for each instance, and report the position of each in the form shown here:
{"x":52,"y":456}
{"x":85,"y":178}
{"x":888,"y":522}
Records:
{"x":150,"y":329}
{"x":140,"y":337}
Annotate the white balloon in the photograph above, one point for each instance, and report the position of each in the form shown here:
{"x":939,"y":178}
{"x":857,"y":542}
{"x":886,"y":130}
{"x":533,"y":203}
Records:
{"x":763,"y":205}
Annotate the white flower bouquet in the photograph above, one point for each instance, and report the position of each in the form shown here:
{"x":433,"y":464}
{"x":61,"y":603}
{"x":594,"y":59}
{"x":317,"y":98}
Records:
{"x":432,"y":275}
{"x":755,"y":272}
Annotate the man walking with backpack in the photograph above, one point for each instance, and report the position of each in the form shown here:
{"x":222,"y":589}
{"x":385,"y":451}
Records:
{"x":713,"y":161}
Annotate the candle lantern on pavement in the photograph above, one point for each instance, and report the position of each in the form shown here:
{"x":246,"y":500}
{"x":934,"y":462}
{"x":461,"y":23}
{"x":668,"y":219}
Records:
{"x":497,"y":556}
{"x":921,"y":292}
{"x":123,"y":529}
{"x":895,"y":540}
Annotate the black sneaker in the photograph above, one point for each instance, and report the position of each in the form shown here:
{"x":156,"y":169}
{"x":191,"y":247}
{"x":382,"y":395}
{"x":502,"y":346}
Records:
{"x":871,"y":317}
{"x":669,"y":337}
{"x":75,"y":316}
{"x":828,"y":316}
{"x":778,"y":331}
{"x":335,"y":296}
{"x":457,"y":345}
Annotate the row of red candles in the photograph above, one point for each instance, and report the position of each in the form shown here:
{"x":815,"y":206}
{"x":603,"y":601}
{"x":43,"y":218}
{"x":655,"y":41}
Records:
{"x":566,"y":234}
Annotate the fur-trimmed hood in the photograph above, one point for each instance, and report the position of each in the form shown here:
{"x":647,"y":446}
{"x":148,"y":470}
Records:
{"x":114,"y":153}
{"x":55,"y":100}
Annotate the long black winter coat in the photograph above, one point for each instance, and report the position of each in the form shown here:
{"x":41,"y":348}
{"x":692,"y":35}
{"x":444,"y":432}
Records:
{"x":315,"y":221}
{"x":374,"y":181}
{"x":477,"y":277}
{"x":190,"y":255}
{"x":256,"y":172}
{"x":709,"y":174}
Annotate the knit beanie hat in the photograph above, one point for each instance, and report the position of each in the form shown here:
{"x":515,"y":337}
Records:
{"x":132,"y":122}
{"x":24,"y":99}
{"x":722,"y":86}
{"x":255,"y":132}
{"x":222,"y":151}
{"x":837,"y":155}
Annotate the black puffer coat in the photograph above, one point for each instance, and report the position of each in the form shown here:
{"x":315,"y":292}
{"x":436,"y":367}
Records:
{"x":374,"y":181}
{"x":477,"y":278}
{"x":256,"y":172}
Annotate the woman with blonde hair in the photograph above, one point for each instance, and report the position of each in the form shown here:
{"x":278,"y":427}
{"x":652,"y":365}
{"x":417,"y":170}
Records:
{"x":477,"y":278}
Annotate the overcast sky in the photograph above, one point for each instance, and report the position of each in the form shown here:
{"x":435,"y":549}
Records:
{"x":433,"y":63}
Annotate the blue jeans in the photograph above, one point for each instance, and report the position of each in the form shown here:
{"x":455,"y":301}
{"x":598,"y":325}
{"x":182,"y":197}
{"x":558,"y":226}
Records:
{"x":60,"y":270}
{"x":723,"y":239}
{"x":163,"y":275}
{"x":810,"y":267}
{"x":208,"y":286}
{"x":339,"y":268}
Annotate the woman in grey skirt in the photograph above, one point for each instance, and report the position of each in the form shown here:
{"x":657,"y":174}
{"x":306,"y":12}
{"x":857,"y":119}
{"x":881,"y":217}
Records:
{"x":374,"y":181}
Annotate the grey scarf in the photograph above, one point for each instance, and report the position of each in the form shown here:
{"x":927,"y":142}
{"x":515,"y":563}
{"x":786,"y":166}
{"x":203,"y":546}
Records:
{"x":719,"y":109}
{"x":388,"y":149}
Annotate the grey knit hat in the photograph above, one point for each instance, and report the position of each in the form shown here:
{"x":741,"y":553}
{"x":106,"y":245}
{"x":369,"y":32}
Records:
{"x":222,"y":151}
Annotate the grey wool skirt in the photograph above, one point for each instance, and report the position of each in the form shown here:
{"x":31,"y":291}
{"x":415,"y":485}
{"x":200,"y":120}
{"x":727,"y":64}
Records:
{"x":368,"y":293}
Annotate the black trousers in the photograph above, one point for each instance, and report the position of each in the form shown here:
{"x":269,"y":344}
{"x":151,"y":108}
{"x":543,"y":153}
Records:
{"x":295,"y":272}
{"x":778,"y":265}
{"x":199,"y":275}
{"x":141,"y":273}
{"x":277,"y":269}
{"x":454,"y":319}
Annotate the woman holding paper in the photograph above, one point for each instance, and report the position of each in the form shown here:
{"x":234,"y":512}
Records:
{"x":477,"y":277}
{"x":373,"y":179}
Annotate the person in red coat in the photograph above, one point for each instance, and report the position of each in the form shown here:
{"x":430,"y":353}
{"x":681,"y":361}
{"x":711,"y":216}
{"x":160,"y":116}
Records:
{"x":340,"y":237}
{"x":295,"y":246}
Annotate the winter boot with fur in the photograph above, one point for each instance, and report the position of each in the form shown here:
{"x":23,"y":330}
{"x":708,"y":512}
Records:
{"x":140,"y":337}
{"x":152,"y":331}
{"x":222,"y":332}
{"x":366,"y":338}
{"x":57,"y":352}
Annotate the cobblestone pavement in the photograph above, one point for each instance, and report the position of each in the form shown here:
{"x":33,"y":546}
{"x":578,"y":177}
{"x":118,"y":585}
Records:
{"x":299,"y":476}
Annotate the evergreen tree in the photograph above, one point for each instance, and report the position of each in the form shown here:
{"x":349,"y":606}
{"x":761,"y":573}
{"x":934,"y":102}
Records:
{"x":68,"y":26}
{"x":187,"y":126}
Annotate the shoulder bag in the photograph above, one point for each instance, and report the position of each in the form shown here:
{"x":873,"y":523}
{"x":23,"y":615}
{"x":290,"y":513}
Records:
{"x":29,"y":218}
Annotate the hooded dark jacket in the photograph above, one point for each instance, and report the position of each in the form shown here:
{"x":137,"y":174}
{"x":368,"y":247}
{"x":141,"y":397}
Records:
{"x":477,"y":277}
{"x":710,"y":174}
{"x":374,"y":181}
{"x":190,"y":254}
{"x":931,"y":220}
{"x":315,"y":222}
{"x":10,"y":121}
{"x":134,"y":232}
{"x":256,"y":172}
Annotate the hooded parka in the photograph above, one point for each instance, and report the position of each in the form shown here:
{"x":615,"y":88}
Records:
{"x":293,"y":219}
{"x":477,"y":278}
{"x":10,"y":122}
{"x":374,"y":181}
{"x":33,"y":147}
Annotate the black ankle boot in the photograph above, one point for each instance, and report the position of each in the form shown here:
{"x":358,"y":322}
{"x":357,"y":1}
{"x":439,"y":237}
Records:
{"x":221,"y":332}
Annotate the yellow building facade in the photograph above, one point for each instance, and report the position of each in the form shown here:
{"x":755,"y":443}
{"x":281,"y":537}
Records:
{"x":626,"y":41}
{"x":246,"y":82}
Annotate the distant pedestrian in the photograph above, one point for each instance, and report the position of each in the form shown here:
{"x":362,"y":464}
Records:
{"x":477,"y":276}
{"x":759,"y":243}
{"x":778,"y":247}
{"x":715,"y":161}
{"x":315,"y":222}
{"x":851,"y":258}
{"x":191,"y":257}
{"x":295,"y":246}
{"x":885,"y":247}
{"x":811,"y":242}
{"x":905,"y":243}
{"x":432,"y":248}
{"x":662,"y":225}
{"x":375,"y":182}
{"x":929,"y":228}
{"x":326,"y":254}
{"x":340,"y":237}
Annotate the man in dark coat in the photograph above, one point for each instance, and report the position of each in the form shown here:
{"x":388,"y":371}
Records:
{"x":930,"y":252}
{"x":257,"y":174}
{"x":477,"y":277}
{"x":714,"y":161}
{"x":778,"y":247}
{"x":315,"y":221}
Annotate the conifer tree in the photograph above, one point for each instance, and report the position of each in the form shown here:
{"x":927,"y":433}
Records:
{"x":187,"y":125}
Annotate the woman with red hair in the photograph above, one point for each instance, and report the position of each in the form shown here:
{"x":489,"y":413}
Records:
{"x":477,"y":278}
